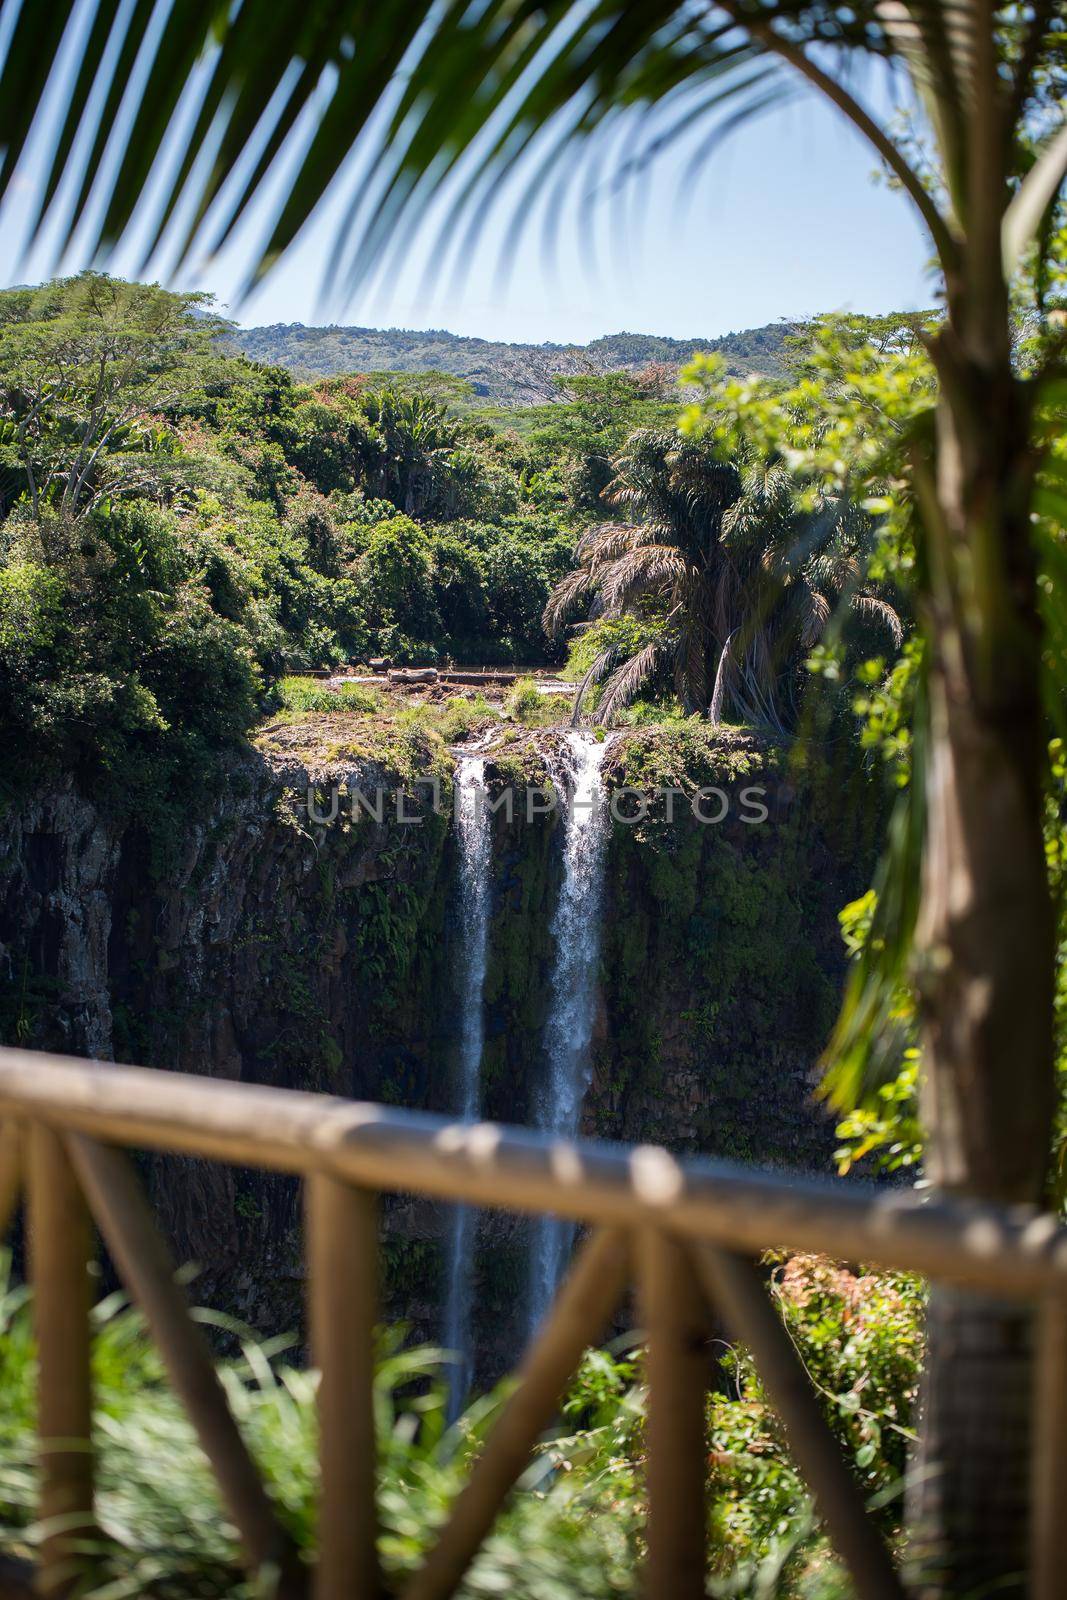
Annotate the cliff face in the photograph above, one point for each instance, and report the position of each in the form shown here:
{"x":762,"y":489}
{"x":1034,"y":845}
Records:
{"x":253,"y":942}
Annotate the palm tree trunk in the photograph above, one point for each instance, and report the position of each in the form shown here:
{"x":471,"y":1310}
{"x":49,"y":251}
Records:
{"x":987,"y":997}
{"x":985,"y":978}
{"x":969,"y":1488}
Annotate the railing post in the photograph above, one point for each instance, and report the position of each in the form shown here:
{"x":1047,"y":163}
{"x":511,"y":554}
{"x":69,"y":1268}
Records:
{"x":1048,"y":1494}
{"x":60,"y":1250}
{"x":676,"y":1325}
{"x":342,"y":1249}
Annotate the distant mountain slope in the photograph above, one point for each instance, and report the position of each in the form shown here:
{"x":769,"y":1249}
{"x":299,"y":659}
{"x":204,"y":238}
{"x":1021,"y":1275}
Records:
{"x":504,"y":374}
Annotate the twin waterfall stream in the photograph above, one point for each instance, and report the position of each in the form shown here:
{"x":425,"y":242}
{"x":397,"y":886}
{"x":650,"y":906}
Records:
{"x":569,"y":1027}
{"x":475,"y":841}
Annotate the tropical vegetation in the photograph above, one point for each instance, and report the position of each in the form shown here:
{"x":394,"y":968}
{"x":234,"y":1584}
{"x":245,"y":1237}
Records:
{"x":972,"y":455}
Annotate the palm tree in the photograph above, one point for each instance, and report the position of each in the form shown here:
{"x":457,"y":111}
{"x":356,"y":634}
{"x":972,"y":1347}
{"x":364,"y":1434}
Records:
{"x":795,"y":569}
{"x":734,"y":582}
{"x":409,"y":453}
{"x":664,"y":563}
{"x":509,"y":85}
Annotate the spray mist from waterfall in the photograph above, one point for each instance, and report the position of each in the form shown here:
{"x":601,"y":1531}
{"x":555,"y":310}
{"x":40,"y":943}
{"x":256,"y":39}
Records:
{"x":569,"y":1029}
{"x":474,"y":839}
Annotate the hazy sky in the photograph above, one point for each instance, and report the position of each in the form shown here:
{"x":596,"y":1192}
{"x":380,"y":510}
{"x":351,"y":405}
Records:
{"x":784,"y":221}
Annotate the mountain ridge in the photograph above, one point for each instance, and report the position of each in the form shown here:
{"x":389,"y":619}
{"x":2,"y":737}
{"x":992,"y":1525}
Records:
{"x":507,"y":373}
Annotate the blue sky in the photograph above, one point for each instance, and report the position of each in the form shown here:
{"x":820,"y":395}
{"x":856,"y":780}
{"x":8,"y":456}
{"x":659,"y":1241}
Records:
{"x":785,"y":220}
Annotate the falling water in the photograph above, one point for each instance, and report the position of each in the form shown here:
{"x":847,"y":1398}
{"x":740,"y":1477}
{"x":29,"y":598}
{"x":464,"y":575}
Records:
{"x":475,"y":847}
{"x":569,"y":1030}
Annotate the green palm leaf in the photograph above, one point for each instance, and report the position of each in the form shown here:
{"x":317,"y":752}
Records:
{"x":431,"y":93}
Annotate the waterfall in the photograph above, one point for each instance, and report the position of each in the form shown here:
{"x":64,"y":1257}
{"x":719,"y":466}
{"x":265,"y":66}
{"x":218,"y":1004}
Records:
{"x":474,"y":837}
{"x":569,"y":1029}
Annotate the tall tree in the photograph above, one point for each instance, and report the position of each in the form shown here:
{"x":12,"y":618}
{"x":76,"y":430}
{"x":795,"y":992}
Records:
{"x":485,"y":84}
{"x":88,"y":364}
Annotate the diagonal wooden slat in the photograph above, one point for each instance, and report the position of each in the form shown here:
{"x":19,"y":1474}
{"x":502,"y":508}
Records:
{"x":577,"y":1319}
{"x":61,"y":1242}
{"x":136,"y":1245}
{"x":678,"y":1363}
{"x":733,"y":1285}
{"x":342,"y":1249}
{"x":1049,"y":1470}
{"x":12,"y":1141}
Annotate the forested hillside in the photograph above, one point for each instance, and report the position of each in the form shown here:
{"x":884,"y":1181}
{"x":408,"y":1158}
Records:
{"x":181,"y":527}
{"x":503,"y":374}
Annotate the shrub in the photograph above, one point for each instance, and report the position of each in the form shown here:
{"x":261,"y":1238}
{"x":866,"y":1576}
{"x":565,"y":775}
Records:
{"x":461,"y":717}
{"x":397,"y":569}
{"x":313,"y":694}
{"x":525,"y":703}
{"x":31,"y":599}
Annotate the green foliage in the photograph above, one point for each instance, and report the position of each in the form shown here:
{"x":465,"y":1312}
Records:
{"x":574,"y":1527}
{"x":461,"y":717}
{"x":397,"y":567}
{"x":180,"y":529}
{"x":113,"y":660}
{"x":725,"y":575}
{"x":87,"y":364}
{"x":885,"y":1125}
{"x":622,"y":636}
{"x":860,"y":1338}
{"x":31,"y":603}
{"x":165,"y":1532}
{"x":183,"y":528}
{"x":526,"y":704}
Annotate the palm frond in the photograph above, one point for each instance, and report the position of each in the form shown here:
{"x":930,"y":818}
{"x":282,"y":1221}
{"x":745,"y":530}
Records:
{"x":572,"y":587}
{"x":625,"y":683}
{"x":818,"y":615}
{"x":484,"y":90}
{"x":649,"y":570}
{"x":445,"y":102}
{"x":610,"y":540}
{"x":870,"y":605}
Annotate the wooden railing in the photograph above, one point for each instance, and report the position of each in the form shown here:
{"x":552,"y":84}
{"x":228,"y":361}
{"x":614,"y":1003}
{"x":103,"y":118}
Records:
{"x":685,"y":1231}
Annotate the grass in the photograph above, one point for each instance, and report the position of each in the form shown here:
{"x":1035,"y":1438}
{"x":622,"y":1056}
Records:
{"x":299,"y":694}
{"x":455,"y":719}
